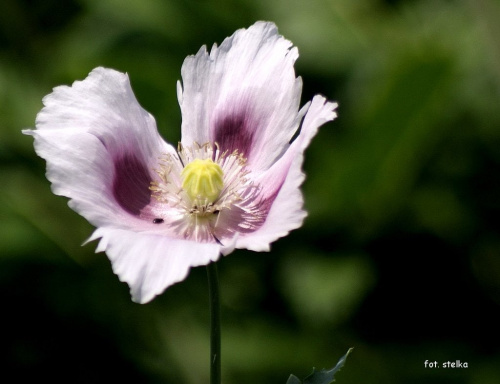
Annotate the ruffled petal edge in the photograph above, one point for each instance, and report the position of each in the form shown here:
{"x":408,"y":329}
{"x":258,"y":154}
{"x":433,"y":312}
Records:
{"x":151,"y":263}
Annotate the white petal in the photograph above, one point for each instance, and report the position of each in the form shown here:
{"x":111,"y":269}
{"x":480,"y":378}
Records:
{"x":243,"y":95}
{"x":320,"y":112}
{"x":285,"y":213}
{"x":281,"y":183}
{"x":100,"y":147}
{"x":150,"y":263}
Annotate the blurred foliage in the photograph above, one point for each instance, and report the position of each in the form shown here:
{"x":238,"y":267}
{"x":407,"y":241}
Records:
{"x":400,"y":254}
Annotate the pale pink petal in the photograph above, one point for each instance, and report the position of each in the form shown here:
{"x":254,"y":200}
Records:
{"x":150,"y":263}
{"x":281,"y":183}
{"x":243,"y":95}
{"x":100,"y":147}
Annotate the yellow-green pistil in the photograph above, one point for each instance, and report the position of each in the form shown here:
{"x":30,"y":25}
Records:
{"x":202,"y":180}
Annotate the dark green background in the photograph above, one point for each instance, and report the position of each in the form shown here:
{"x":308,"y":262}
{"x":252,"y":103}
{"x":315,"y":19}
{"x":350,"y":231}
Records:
{"x":399,"y":257}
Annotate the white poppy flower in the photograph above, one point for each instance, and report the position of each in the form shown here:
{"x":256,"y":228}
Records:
{"x":233,"y":181}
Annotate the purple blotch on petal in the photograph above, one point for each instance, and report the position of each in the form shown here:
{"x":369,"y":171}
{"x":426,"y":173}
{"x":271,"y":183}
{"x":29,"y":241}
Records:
{"x":235,"y":132}
{"x":131,"y":184}
{"x":267,"y":202}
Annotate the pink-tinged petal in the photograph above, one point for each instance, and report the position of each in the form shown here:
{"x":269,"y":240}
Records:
{"x":100,"y":147}
{"x":281,"y":183}
{"x":243,"y":95}
{"x":150,"y":263}
{"x":319,"y":112}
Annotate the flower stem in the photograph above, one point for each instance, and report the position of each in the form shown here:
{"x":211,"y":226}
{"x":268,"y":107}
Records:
{"x":215,"y":356}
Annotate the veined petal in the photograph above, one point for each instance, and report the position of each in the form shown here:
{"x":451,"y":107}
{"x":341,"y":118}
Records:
{"x":281,"y":183}
{"x":100,"y":147}
{"x":243,"y":95}
{"x":150,"y":263}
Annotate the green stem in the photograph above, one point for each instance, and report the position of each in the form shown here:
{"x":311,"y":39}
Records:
{"x":213,"y":290}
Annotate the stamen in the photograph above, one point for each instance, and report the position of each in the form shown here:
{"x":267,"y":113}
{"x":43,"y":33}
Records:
{"x":203,"y":187}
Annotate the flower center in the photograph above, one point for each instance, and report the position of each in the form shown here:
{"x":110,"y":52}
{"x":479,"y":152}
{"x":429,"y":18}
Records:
{"x":204,"y":194}
{"x":202,"y":180}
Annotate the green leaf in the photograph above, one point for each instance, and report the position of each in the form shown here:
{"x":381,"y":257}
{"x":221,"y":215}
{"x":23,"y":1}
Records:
{"x":326,"y":376}
{"x":293,"y":380}
{"x":321,"y":377}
